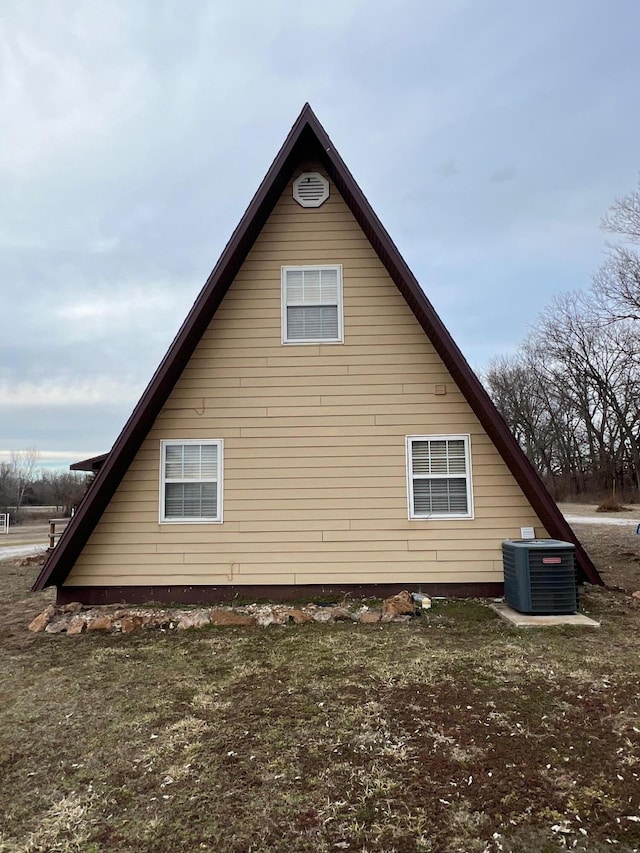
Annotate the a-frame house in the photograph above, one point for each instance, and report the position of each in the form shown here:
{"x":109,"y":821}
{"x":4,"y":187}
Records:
{"x":313,"y":427}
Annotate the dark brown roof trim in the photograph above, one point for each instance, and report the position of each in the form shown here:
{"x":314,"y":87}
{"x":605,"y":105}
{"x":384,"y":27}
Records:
{"x":94,"y":463}
{"x":306,"y":140}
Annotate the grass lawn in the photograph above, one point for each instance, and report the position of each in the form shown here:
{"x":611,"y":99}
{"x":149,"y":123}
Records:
{"x":454,"y":732}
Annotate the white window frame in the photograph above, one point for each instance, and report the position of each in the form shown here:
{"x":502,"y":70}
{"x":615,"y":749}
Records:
{"x":163,"y":480}
{"x":413,"y":516}
{"x":284,"y":305}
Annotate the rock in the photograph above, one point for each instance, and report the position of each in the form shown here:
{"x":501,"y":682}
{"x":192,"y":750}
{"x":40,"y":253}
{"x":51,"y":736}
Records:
{"x":228,"y":617}
{"x":399,"y":605}
{"x":271,"y":617}
{"x":73,"y":607}
{"x":42,"y":620}
{"x":343,"y":614}
{"x":300,"y":617}
{"x":161,"y":619}
{"x":132,"y":623}
{"x":196,"y":619}
{"x":636,"y":594}
{"x":57,"y":627}
{"x":323,"y":614}
{"x":69,"y":618}
{"x":370,"y":616}
{"x":76,"y":627}
{"x":100,"y":623}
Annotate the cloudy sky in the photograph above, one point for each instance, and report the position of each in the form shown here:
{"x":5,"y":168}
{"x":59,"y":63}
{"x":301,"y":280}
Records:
{"x":489,"y":136}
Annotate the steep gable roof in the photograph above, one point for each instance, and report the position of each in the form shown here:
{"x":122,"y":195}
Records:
{"x":307,"y":140}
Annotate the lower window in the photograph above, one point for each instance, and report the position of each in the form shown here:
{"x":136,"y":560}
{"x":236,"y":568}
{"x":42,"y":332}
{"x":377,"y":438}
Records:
{"x":439,"y":476}
{"x":191,"y":481}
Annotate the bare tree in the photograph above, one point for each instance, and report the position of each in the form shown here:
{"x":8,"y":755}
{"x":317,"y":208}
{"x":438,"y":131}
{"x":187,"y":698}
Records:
{"x":595,"y":366}
{"x":571,"y":395}
{"x":67,"y":489}
{"x":617,"y":282}
{"x":23,"y":472}
{"x":572,"y":398}
{"x":523,"y":401}
{"x":6,"y":486}
{"x":623,"y":217}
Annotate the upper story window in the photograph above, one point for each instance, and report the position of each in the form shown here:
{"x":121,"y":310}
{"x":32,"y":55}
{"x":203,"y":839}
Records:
{"x":191,"y":481}
{"x":312,"y":304}
{"x":439,"y":476}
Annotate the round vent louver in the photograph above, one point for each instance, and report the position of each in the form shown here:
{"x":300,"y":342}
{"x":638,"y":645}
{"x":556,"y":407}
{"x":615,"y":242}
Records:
{"x":311,"y":189}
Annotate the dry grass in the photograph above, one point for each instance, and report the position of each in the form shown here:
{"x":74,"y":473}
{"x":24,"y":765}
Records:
{"x":450,"y":733}
{"x":616,"y":552}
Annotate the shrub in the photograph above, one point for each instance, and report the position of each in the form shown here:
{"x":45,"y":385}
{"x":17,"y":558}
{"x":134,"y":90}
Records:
{"x":612,"y":505}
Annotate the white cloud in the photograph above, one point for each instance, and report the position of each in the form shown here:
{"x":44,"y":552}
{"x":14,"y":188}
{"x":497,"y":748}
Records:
{"x":70,"y":82}
{"x":113,"y":310}
{"x":55,"y":454}
{"x":56,"y":393}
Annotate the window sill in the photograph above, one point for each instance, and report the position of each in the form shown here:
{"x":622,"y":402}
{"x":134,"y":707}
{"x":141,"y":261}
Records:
{"x":190,"y":521}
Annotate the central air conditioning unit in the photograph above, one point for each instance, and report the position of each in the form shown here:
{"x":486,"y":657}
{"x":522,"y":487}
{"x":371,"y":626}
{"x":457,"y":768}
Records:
{"x":540,"y":576}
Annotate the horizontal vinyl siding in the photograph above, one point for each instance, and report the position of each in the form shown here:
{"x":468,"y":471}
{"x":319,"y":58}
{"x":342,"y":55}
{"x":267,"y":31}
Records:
{"x":314,"y":454}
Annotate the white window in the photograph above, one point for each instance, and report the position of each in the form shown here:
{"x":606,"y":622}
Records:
{"x":312,"y":304}
{"x":439,"y":476}
{"x":191,"y":481}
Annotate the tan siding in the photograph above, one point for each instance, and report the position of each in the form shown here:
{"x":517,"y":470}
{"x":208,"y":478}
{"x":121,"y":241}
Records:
{"x":315,"y":472}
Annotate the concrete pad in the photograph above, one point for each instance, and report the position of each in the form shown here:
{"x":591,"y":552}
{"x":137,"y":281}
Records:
{"x":525,"y":620}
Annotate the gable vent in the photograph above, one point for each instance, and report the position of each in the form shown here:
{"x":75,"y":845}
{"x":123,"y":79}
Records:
{"x":311,"y":189}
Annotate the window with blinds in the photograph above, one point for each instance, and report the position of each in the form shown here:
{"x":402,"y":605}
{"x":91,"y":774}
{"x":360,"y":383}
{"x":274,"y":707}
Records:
{"x":191,"y":481}
{"x":312,"y":304}
{"x":439,"y":476}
